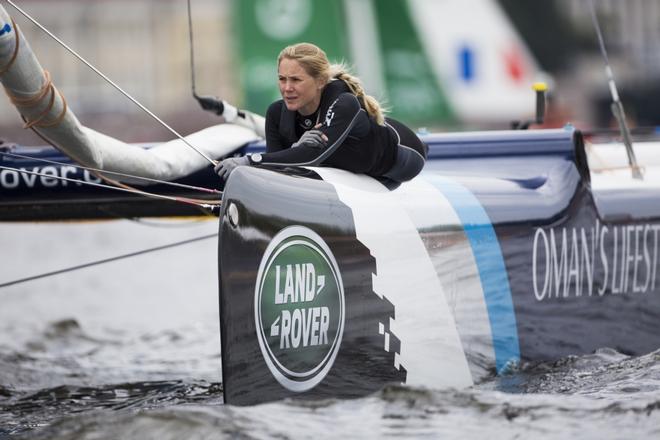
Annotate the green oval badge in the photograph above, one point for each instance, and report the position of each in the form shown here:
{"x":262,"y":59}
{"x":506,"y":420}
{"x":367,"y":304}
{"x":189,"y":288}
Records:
{"x":299,"y":308}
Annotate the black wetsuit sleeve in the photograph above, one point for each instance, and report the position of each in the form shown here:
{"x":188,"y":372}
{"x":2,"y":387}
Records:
{"x":274,"y":140}
{"x":340,"y":114}
{"x":334,"y":123}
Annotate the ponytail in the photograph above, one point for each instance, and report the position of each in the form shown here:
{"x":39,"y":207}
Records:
{"x":371,"y":104}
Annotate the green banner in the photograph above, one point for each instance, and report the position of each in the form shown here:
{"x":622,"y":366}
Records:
{"x":378,"y":37}
{"x":412,"y":90}
{"x":264,"y":27}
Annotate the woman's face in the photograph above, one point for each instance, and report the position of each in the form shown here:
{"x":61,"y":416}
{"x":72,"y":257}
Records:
{"x":300,"y":91}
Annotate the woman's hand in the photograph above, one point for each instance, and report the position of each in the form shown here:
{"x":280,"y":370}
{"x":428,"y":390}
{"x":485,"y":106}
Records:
{"x":312,"y":138}
{"x":225,"y":168}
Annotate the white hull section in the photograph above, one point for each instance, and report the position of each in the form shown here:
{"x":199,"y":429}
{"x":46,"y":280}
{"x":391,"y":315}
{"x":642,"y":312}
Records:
{"x":431,"y":348}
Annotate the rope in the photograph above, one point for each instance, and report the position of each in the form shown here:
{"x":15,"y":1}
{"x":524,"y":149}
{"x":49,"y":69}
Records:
{"x":114,"y":173}
{"x":188,"y":200}
{"x":58,"y":119}
{"x":44,"y":113}
{"x":35,"y":100}
{"x":206,"y":204}
{"x":13,"y":57}
{"x":105,"y":260}
{"x":30,"y":101}
{"x":112,"y":83}
{"x":48,"y":86}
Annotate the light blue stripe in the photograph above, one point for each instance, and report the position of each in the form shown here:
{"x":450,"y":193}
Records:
{"x":490,"y":264}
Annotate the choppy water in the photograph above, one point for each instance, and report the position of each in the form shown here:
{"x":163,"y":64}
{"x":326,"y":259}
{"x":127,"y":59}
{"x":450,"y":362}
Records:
{"x":131,"y":350}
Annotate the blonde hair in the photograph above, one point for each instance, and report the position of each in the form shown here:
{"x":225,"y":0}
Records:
{"x":315,"y":62}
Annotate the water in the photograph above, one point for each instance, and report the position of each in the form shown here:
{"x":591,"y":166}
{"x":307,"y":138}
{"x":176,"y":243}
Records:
{"x":131,"y":350}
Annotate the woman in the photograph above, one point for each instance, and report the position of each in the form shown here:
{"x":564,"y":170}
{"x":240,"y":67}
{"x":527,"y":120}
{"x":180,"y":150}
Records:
{"x":319,"y":102}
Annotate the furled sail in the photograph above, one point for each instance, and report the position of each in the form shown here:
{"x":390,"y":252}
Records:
{"x":45,"y":110}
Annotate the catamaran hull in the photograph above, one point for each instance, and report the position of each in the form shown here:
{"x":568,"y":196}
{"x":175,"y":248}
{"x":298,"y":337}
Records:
{"x":34,"y":190}
{"x":333,"y":285}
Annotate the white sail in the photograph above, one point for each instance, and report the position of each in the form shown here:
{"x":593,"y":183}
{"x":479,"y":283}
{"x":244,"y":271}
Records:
{"x":45,"y":110}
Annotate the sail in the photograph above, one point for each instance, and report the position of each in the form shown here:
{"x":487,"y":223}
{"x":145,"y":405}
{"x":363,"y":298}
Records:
{"x":433,"y":63}
{"x":44,"y":109}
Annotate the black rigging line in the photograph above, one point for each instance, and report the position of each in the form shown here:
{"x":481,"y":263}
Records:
{"x":112,"y":83}
{"x":617,"y":106}
{"x":192,"y":52}
{"x":106,"y":260}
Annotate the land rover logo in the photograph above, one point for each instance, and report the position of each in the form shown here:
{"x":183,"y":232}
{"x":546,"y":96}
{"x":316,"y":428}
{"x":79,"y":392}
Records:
{"x":299,"y":308}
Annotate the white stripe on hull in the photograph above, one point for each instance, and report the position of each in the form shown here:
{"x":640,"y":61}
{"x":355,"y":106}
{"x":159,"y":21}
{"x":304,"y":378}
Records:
{"x":431,"y":350}
{"x":451,"y":255}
